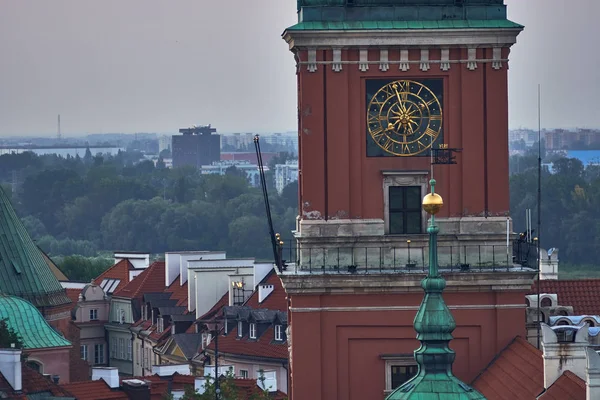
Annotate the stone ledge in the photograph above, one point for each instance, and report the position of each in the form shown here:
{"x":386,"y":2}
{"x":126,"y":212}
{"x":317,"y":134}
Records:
{"x":343,"y":283}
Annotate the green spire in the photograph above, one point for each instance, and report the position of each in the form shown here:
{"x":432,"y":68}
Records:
{"x":434,"y":325}
{"x":23,"y":269}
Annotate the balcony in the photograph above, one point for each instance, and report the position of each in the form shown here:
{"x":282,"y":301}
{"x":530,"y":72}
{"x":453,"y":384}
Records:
{"x":406,"y":258}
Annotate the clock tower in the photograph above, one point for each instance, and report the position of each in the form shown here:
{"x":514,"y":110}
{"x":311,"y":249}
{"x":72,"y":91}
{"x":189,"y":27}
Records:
{"x":390,"y":94}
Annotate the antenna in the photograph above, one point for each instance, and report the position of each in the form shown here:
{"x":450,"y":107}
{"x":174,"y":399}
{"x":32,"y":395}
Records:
{"x":539,"y":211}
{"x":59,"y":135}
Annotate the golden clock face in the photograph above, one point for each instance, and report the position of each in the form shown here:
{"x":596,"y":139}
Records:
{"x":404,"y":117}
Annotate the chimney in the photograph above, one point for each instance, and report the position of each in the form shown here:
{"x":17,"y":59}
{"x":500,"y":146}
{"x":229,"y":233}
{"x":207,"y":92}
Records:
{"x":593,"y":374}
{"x":10,"y":366}
{"x":136,"y":389}
{"x":199,"y":383}
{"x":264,"y":291}
{"x":138,"y":260}
{"x":549,"y":264}
{"x":170,"y":369}
{"x":564,"y":349}
{"x":109,"y":374}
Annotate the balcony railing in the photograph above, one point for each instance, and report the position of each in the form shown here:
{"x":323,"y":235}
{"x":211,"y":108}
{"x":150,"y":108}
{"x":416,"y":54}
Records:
{"x":407,"y":258}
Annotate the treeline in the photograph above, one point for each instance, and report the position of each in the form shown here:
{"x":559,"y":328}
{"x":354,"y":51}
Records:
{"x":85,"y":205}
{"x":570,"y":217}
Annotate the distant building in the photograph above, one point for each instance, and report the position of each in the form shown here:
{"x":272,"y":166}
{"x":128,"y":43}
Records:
{"x":249,"y":156}
{"x":221,"y":167}
{"x":164,"y":143}
{"x":196,"y":146}
{"x":285,"y":174}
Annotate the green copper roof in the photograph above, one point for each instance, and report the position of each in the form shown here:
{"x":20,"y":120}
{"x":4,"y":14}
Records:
{"x":23,"y":269}
{"x":407,"y":25}
{"x":24,"y":318}
{"x":434,"y":325}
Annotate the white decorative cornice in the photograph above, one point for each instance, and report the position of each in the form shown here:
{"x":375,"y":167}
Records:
{"x":424,"y":65}
{"x":336,"y":66}
{"x":472,"y":59}
{"x":363,"y":64}
{"x":497,"y":58}
{"x":404,"y":63}
{"x":312,"y":60}
{"x":445,"y":60}
{"x":403,"y":38}
{"x":384,"y":63}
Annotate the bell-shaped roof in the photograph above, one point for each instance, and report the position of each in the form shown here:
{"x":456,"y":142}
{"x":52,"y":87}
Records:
{"x":29,"y":323}
{"x":23,"y":269}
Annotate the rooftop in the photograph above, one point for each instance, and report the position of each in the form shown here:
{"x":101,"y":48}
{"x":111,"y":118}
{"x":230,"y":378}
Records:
{"x":25,"y":319}
{"x":33,"y":383}
{"x":568,"y":387}
{"x":517,"y":373}
{"x":118,"y":272}
{"x":24,"y":271}
{"x":583,"y":295}
{"x":152,"y":279}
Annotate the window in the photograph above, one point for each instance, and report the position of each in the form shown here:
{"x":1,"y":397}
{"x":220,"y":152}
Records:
{"x":145,"y":362}
{"x":405,"y":209}
{"x":114,"y":350}
{"x":401,"y":374}
{"x":160,"y":326}
{"x":278,"y":335}
{"x":546,"y":302}
{"x":36,"y":366}
{"x":204,"y":340}
{"x":243,"y":373}
{"x":129,"y":350}
{"x":252,"y":331}
{"x":398,"y":370}
{"x":121,"y":349}
{"x":93,"y":314}
{"x":137,"y":354}
{"x":240,"y":329}
{"x":98,"y":354}
{"x":83,"y":351}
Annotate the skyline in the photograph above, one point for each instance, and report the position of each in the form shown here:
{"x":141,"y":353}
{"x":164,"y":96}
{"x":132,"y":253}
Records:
{"x":144,"y":66}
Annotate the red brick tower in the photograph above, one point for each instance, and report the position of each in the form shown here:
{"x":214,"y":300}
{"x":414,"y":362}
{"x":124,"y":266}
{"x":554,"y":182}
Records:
{"x":384,"y":88}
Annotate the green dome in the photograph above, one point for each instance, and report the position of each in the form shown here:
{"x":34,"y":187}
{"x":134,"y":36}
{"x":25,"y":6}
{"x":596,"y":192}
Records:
{"x":23,"y":269}
{"x":28,"y":322}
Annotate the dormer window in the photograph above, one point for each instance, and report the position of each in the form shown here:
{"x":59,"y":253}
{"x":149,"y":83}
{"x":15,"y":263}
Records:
{"x":252,"y":331}
{"x":240,"y":329}
{"x":278,"y":333}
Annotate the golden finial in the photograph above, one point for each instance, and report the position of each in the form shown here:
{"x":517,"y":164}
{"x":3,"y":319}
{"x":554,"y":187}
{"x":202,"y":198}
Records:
{"x":433,"y":202}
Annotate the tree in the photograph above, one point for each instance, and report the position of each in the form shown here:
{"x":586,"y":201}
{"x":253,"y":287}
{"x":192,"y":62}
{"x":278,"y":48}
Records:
{"x":9,"y":337}
{"x":228,"y":390}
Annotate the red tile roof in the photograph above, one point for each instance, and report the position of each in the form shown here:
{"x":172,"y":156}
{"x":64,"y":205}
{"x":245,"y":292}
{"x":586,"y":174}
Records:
{"x":33,"y":382}
{"x":567,"y":387}
{"x":277,"y":300}
{"x":152,"y":279}
{"x":248,"y":388}
{"x":179,"y":292}
{"x":94,"y":390}
{"x":517,"y":373}
{"x":118,"y":271}
{"x":264,"y":346}
{"x":583,"y":294}
{"x":99,"y":390}
{"x":73,"y":294}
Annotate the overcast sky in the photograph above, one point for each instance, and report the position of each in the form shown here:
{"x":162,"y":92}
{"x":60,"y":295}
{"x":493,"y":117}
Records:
{"x":155,"y":65}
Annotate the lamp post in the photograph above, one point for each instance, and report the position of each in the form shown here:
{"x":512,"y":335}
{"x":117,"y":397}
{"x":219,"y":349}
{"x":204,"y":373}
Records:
{"x":215,"y":325}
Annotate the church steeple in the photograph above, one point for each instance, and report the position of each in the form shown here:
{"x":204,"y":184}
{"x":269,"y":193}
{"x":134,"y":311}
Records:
{"x":23,"y":270}
{"x":434,"y":325}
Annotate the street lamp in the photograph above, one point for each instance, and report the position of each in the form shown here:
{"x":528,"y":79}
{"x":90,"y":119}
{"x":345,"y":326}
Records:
{"x":215,"y":325}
